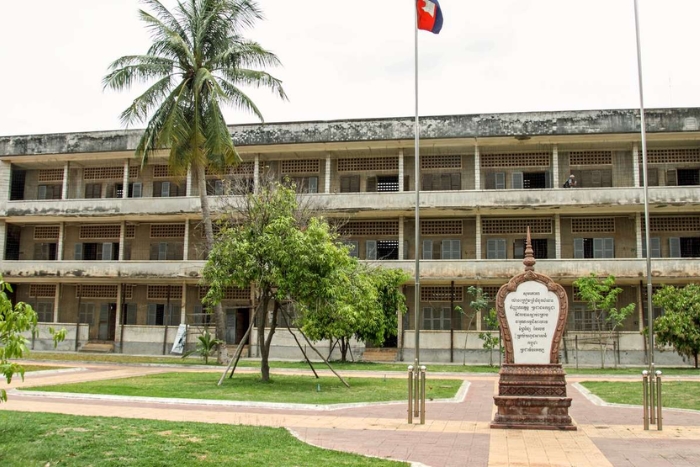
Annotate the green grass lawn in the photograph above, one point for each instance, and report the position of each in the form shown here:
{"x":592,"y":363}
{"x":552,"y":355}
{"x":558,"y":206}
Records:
{"x":248,"y":387}
{"x":29,"y":368}
{"x":67,"y":440}
{"x":677,"y":394}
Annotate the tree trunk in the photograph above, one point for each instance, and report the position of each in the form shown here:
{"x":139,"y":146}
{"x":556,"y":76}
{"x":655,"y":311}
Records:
{"x":344,"y":349}
{"x":219,"y":317}
{"x":265,"y":360}
{"x":264,"y":364}
{"x":696,"y":360}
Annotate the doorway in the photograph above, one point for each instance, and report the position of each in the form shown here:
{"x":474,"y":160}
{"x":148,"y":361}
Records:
{"x":237,"y":322}
{"x":107,"y":322}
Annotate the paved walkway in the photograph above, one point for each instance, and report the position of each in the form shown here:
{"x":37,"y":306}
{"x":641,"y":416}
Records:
{"x":455,"y":434}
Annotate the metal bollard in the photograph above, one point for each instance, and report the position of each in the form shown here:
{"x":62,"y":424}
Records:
{"x":422,"y":395}
{"x":652,"y":398}
{"x":659,"y":404}
{"x":416,"y":391}
{"x":410,"y":394}
{"x":645,"y":396}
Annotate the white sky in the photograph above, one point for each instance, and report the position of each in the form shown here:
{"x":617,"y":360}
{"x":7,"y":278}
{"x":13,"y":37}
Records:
{"x":345,"y":59}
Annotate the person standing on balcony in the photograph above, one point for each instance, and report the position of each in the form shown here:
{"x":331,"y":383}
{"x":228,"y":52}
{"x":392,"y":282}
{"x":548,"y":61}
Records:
{"x":570,"y":182}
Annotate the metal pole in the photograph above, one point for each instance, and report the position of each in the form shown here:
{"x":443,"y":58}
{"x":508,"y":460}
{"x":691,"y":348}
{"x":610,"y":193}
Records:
{"x":652,"y":398}
{"x":650,"y":310}
{"x":645,"y":396}
{"x":410,"y":394}
{"x":659,"y":423}
{"x":416,"y":131}
{"x":416,"y":391}
{"x":422,"y":395}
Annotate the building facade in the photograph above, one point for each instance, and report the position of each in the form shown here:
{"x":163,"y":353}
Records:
{"x":112,"y":251}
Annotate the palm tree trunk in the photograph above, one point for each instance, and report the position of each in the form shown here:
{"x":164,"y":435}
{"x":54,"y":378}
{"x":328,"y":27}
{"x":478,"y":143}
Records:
{"x":209,"y":243}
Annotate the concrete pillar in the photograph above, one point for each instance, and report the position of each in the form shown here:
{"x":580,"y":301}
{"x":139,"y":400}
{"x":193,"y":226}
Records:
{"x":327,"y":184}
{"x":639,"y":234}
{"x":186,"y":245}
{"x":122,"y":240}
{"x":61,"y":241}
{"x":118,"y":314}
{"x":188,"y":189}
{"x":3,"y":237}
{"x":125,"y":179}
{"x":555,"y":166}
{"x":477,"y":168}
{"x":5,"y":175}
{"x":401,"y":236}
{"x":478,"y":236}
{"x":401,"y":174}
{"x":256,"y":174}
{"x":64,"y":188}
{"x":557,"y":236}
{"x":635,"y":165}
{"x":183,"y":305}
{"x":56,"y":301}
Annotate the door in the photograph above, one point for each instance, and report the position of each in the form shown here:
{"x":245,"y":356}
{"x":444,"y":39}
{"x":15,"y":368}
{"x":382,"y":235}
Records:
{"x":107,"y":323}
{"x":231,"y":325}
{"x":242,"y":323}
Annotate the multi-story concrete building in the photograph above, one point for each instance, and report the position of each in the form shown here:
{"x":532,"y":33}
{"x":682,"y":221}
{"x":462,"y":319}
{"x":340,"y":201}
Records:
{"x":112,"y":251}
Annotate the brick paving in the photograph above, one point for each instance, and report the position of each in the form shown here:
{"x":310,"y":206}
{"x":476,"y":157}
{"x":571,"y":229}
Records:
{"x":455,"y":433}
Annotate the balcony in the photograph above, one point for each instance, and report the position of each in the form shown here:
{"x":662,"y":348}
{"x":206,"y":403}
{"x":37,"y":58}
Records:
{"x":17,"y":271}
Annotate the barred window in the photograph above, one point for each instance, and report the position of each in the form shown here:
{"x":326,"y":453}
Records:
{"x":668,"y":156}
{"x":370,"y":228}
{"x":490,"y":292}
{"x":51,"y":175}
{"x":109,"y":173}
{"x":130,"y":231}
{"x":46,"y":232}
{"x":160,"y":292}
{"x":441,"y":294}
{"x":441,"y":162}
{"x":516,"y":226}
{"x":523,"y":159}
{"x":441,"y":227}
{"x":590,"y":158}
{"x":163,"y":171}
{"x":230,"y":293}
{"x":673,"y":224}
{"x":96,"y":291}
{"x":42,"y":290}
{"x":592,"y":224}
{"x":367,"y":163}
{"x":167,"y":230}
{"x":100,"y":231}
{"x":301,"y":166}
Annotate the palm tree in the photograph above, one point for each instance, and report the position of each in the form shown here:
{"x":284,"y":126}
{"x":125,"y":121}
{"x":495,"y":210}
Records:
{"x":195,"y":65}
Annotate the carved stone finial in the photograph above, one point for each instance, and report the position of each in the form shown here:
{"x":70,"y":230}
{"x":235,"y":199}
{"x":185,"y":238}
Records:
{"x":529,"y":260}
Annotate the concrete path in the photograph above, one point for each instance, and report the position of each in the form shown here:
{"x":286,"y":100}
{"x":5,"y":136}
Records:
{"x":455,"y":433}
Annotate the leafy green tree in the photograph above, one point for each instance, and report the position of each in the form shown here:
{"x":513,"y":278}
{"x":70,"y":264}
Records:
{"x":680,"y":324}
{"x":491,"y":340}
{"x":283,"y":252}
{"x":478,"y":302}
{"x":206,"y":345}
{"x":196,"y":65}
{"x":15,"y":320}
{"x":601,"y":297}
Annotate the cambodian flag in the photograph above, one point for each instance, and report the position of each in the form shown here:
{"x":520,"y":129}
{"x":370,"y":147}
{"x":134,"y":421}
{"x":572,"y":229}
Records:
{"x":429,"y":15}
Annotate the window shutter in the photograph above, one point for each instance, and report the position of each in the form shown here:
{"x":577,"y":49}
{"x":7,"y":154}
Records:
{"x":162,"y":251}
{"x":606,"y":178}
{"x":500,"y":180}
{"x":353,"y":248}
{"x":344,"y":184}
{"x":547,"y":179}
{"x":446,"y":249}
{"x":165,"y":189}
{"x":355,"y":183}
{"x":427,"y":182}
{"x":608,"y":247}
{"x":371,"y":184}
{"x":78,"y":252}
{"x":598,"y":247}
{"x":218,"y":187}
{"x":313,"y":184}
{"x":406,"y":183}
{"x":106,"y":252}
{"x":490,"y":181}
{"x":501,"y":245}
{"x":152,"y":311}
{"x":38,"y":252}
{"x":491,"y":248}
{"x":427,"y":249}
{"x":451,"y":249}
{"x":153,"y":255}
{"x":578,"y":248}
{"x":517,"y":179}
{"x":671,"y":178}
{"x":437,"y":250}
{"x":131,"y":310}
{"x":371,"y":249}
{"x":445,"y":182}
{"x":456,"y":181}
{"x":137,"y":190}
{"x":674,"y":245}
{"x":42,"y":192}
{"x":428,"y":319}
{"x":518,"y":249}
{"x":551,"y":249}
{"x":655,"y":247}
{"x":405,"y":249}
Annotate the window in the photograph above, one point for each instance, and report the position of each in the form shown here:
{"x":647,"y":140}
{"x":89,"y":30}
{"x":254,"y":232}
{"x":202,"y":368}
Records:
{"x":584,"y":319}
{"x":495,"y":181}
{"x":93,"y":190}
{"x":44,"y":312}
{"x":129,"y":311}
{"x":159,"y":314}
{"x":370,"y":249}
{"x":49,"y":191}
{"x":44,"y":251}
{"x":451,"y":249}
{"x":687,"y":177}
{"x":593,"y":178}
{"x":387,"y":249}
{"x":350,"y":184}
{"x":215,"y":187}
{"x":201,"y":316}
{"x":536,"y":180}
{"x":383,"y":183}
{"x":304,"y":184}
{"x":87,"y":310}
{"x":165,"y":251}
{"x":443,"y":182}
{"x":96,"y":251}
{"x":496,"y":248}
{"x":684,"y":247}
{"x":354,"y":248}
{"x":655,"y":247}
{"x":169,"y":189}
{"x":594,"y":248}
{"x":427,"y":249}
{"x":540,"y":248}
{"x":437,"y":319}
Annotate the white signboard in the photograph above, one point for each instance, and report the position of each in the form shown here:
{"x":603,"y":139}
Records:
{"x":179,"y":344}
{"x":532,"y":312}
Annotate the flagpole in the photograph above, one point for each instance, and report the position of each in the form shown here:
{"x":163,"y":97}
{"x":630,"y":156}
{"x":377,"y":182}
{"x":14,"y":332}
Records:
{"x":650,"y":309}
{"x":416,"y":131}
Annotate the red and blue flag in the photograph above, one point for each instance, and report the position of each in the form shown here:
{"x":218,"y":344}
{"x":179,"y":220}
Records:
{"x":429,"y":15}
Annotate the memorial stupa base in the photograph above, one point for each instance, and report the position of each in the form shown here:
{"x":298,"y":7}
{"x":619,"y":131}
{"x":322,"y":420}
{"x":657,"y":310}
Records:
{"x":532,"y":396}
